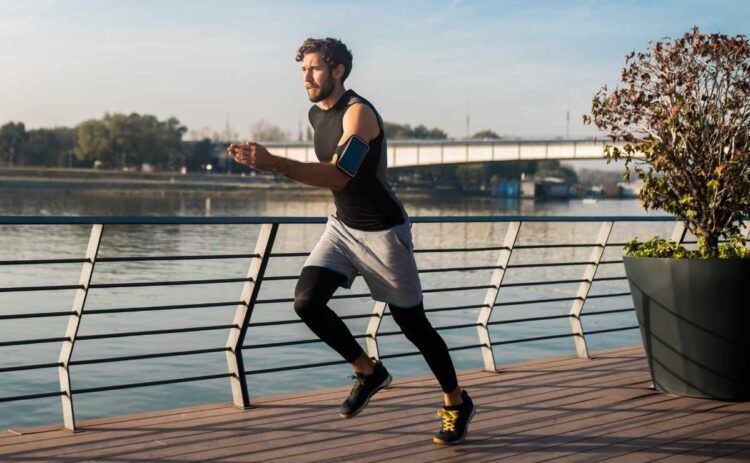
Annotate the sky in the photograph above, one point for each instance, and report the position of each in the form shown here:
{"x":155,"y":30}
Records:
{"x":515,"y":67}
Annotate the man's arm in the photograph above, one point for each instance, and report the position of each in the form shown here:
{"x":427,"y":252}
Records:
{"x":359,"y":120}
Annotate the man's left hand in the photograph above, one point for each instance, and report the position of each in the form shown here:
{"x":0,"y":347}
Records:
{"x":252,"y":155}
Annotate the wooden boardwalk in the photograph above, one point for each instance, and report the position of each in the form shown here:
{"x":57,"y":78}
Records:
{"x":562,"y":409}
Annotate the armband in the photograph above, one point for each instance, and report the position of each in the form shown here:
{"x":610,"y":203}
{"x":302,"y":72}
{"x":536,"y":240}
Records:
{"x":351,"y":155}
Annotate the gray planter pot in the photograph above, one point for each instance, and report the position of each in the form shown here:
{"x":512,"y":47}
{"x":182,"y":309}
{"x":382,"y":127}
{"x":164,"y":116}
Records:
{"x":694,"y":317}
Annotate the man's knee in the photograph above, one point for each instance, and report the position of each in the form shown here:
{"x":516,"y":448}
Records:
{"x":302,"y":306}
{"x":411,"y":320}
{"x":314,"y":287}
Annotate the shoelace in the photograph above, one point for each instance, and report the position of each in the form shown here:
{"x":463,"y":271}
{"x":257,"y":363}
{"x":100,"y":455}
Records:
{"x":359,"y":381}
{"x":449,"y":419}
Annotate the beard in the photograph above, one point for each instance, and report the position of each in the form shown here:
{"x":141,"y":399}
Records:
{"x":322,"y":92}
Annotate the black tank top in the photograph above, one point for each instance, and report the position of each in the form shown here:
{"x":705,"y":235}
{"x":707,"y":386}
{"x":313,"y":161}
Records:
{"x":367,"y":201}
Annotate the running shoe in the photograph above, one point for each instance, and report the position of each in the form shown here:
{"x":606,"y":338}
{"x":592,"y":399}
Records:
{"x":363,"y":389}
{"x":455,"y":422}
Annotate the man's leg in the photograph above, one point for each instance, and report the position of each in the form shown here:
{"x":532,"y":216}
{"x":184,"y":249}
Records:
{"x":314,"y":289}
{"x":459,"y":408}
{"x":419,"y":331}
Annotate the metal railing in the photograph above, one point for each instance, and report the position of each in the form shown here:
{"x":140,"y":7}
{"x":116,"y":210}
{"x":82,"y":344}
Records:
{"x":255,"y":276}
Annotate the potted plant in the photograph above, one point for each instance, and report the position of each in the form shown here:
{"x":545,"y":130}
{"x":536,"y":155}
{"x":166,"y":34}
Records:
{"x":681,"y":115}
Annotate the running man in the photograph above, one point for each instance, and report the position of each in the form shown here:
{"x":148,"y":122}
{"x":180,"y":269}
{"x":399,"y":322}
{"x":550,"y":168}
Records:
{"x":369,"y":234}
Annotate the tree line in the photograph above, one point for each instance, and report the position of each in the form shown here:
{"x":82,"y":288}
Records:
{"x":114,"y":141}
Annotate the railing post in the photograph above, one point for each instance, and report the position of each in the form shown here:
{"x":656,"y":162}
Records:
{"x":372,"y":330}
{"x":489,"y":300}
{"x":583,"y":289}
{"x":74,"y":321}
{"x":244,"y":310}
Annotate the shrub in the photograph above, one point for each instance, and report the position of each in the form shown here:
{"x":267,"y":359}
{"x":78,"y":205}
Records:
{"x":682,"y":113}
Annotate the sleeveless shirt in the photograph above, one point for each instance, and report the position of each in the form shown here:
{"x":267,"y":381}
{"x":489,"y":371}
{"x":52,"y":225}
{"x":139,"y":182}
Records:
{"x":367,"y":201}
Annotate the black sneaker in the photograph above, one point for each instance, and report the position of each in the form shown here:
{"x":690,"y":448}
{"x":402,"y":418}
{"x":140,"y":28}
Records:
{"x":455,"y":422}
{"x":364,"y":388}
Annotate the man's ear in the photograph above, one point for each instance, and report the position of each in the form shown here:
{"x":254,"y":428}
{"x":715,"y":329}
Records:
{"x":338,"y":71}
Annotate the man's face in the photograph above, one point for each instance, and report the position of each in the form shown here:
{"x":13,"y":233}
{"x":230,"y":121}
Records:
{"x":317,"y":76}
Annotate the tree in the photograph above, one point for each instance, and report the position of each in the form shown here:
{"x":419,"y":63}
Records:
{"x":395,"y":131}
{"x":127,"y":140}
{"x":486,"y":135}
{"x":93,"y":143}
{"x":169,"y":139}
{"x":684,"y":106}
{"x":12,"y":137}
{"x":423,"y":133}
{"x":48,"y":147}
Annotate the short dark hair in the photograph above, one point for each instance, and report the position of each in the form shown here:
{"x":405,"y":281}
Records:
{"x":333,"y":52}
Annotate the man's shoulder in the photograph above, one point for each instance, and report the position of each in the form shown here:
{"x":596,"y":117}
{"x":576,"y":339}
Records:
{"x":356,"y":98}
{"x":362,"y":105}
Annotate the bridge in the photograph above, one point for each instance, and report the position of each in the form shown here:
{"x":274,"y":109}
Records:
{"x":403,"y":153}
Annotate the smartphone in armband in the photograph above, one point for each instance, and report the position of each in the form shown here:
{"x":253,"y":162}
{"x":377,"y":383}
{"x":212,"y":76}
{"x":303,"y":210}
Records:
{"x":352,"y":155}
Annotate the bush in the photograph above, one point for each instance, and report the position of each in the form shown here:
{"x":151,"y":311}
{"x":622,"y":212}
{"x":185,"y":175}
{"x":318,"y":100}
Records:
{"x":682,"y":110}
{"x":659,"y":247}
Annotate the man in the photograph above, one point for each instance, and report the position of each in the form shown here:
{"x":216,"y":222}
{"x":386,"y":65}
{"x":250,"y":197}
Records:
{"x":368,"y":235}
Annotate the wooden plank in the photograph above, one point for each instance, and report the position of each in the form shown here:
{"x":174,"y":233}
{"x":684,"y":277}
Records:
{"x":417,"y":445}
{"x":491,"y":377}
{"x":562,"y":409}
{"x":578,"y":448}
{"x":559,"y":363}
{"x":742,"y":456}
{"x":299,"y":415}
{"x":289,"y":399}
{"x":598,"y":445}
{"x":722,"y":442}
{"x":289,"y":411}
{"x":565,"y":438}
{"x":682,"y":436}
{"x":411,"y":423}
{"x":504,"y":426}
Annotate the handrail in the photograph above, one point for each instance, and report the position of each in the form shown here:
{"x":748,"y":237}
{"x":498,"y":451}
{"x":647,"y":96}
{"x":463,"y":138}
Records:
{"x":255,"y":277}
{"x":230,"y":220}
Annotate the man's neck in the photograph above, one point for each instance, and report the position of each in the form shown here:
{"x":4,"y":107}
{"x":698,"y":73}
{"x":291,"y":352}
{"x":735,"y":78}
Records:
{"x":333,"y":98}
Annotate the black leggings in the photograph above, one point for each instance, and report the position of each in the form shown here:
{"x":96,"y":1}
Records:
{"x":314,"y":289}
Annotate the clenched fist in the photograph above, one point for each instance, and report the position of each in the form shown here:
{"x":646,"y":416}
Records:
{"x":252,"y":155}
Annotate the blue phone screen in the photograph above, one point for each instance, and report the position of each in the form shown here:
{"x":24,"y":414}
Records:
{"x":352,"y":156}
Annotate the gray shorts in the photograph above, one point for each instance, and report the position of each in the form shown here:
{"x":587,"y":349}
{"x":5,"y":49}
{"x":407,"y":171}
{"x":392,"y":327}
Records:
{"x":384,"y":258}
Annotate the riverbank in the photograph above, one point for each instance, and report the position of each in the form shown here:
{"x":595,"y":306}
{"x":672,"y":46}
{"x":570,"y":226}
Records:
{"x":112,"y":182}
{"x":54,"y":178}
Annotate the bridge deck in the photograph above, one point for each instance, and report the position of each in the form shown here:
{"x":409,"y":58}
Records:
{"x":562,"y":409}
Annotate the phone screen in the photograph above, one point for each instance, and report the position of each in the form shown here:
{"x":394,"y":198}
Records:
{"x":353,"y":155}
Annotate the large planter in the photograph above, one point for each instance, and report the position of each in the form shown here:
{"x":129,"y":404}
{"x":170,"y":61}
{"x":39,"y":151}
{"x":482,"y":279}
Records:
{"x":694,"y":316}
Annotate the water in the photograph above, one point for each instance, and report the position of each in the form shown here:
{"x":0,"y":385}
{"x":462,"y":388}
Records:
{"x":69,"y":241}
